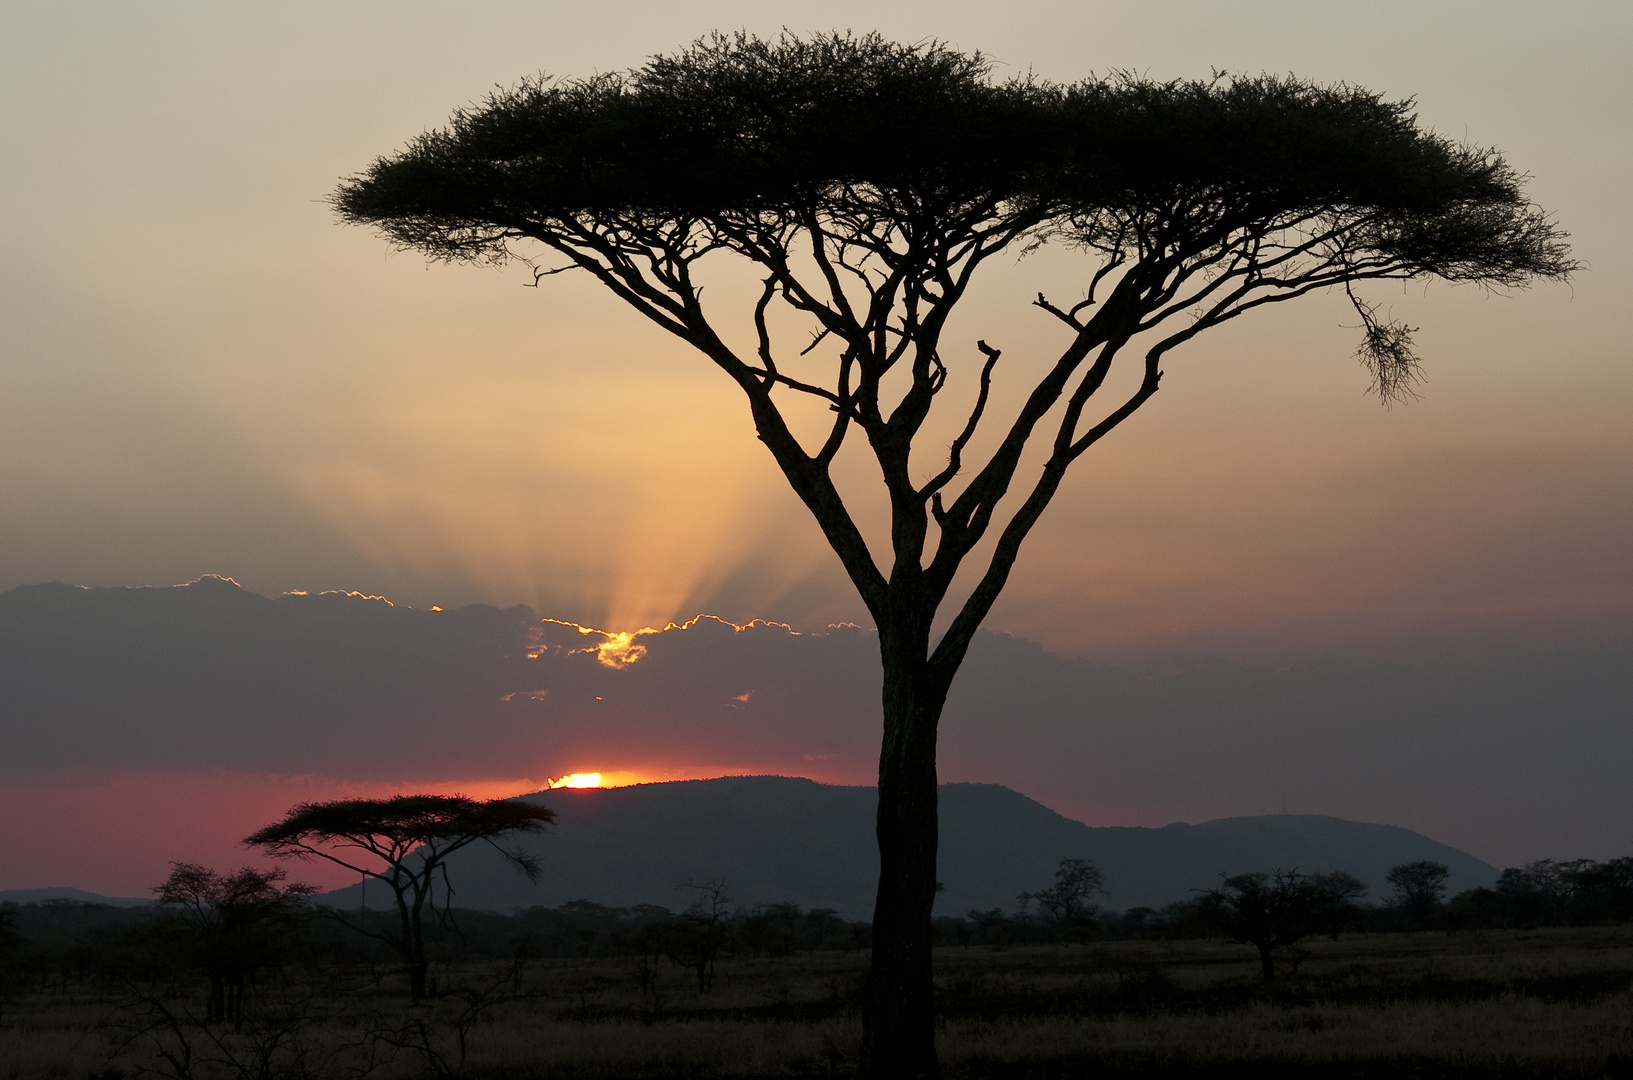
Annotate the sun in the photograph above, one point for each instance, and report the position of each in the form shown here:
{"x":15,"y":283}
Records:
{"x":577,"y":780}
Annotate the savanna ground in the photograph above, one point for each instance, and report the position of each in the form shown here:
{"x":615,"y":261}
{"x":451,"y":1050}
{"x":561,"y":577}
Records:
{"x":1552,"y":1002}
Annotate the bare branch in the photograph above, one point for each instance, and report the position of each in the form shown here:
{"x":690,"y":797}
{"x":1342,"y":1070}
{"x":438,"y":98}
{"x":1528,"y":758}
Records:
{"x":777,"y":378}
{"x":539,"y":275}
{"x":956,"y":451}
{"x":816,"y":339}
{"x":1043,"y":302}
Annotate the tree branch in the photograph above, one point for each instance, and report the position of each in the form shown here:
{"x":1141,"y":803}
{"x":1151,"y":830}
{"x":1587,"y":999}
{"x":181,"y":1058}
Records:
{"x":956,"y":451}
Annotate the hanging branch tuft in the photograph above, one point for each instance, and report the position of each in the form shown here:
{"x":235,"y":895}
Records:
{"x":1386,"y":351}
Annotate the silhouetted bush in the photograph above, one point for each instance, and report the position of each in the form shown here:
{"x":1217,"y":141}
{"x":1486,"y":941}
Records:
{"x":231,"y":925}
{"x":1581,"y":892}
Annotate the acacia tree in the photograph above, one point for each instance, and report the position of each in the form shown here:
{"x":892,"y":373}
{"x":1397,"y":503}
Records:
{"x":1070,"y":899}
{"x":1278,"y":910}
{"x":1419,"y":886}
{"x":867,"y":182}
{"x":409,"y":837}
{"x":233,"y":922}
{"x":695,"y":937}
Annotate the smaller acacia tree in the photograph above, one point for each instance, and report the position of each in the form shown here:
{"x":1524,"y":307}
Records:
{"x":696,"y":937}
{"x":232,"y":924}
{"x":411,"y":837}
{"x":1069,"y":899}
{"x":1278,"y":910}
{"x":1419,"y":886}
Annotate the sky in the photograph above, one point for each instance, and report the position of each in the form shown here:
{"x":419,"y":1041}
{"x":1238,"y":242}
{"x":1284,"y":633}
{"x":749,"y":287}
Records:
{"x":202,"y":373}
{"x":170,"y":722}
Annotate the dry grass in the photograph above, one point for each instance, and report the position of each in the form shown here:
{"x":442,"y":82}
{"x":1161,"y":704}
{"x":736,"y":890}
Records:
{"x":1542,"y":1003}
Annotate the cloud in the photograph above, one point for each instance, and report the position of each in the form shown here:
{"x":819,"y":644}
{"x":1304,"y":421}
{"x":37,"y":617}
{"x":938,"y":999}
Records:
{"x":1514,"y":757}
{"x":209,"y":675}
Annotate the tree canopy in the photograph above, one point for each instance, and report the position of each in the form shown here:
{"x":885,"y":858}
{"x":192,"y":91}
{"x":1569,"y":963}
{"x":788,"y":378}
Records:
{"x":1267,"y":185}
{"x":233,"y":923}
{"x":1278,"y":910}
{"x":1419,"y":886}
{"x":411,"y":836}
{"x":1070,"y":898}
{"x":870,"y":179}
{"x":399,"y":824}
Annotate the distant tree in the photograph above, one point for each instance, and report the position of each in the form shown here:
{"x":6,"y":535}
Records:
{"x":1575,"y":891}
{"x":992,"y":924}
{"x":865,"y":183}
{"x":646,"y":940}
{"x":696,"y":937}
{"x":1069,"y":899}
{"x":819,"y":923}
{"x":11,"y":943}
{"x":1140,"y":921}
{"x":408,"y":839}
{"x":233,"y":924}
{"x":1540,"y":892}
{"x":1278,"y":910}
{"x":771,"y":928}
{"x":1604,"y":891}
{"x":1475,"y":908}
{"x":1419,"y":886}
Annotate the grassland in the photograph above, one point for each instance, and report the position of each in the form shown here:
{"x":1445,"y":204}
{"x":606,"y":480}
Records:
{"x":1540,"y":1003}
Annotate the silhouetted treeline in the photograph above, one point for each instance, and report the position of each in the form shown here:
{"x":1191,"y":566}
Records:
{"x":1548,"y":893}
{"x":53,"y":944}
{"x":1581,"y":892}
{"x":59,"y":942}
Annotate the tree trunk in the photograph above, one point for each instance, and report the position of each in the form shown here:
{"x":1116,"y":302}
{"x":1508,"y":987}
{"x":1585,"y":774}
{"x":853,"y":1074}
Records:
{"x":412,"y":942}
{"x":417,"y":964}
{"x":416,"y":980}
{"x":898,"y":1011}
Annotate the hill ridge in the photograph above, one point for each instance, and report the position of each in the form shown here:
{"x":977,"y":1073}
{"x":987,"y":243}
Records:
{"x":777,"y":838}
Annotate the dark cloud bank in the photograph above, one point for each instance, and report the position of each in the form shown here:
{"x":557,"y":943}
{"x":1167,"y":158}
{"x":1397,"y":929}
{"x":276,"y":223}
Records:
{"x":1513,"y":759}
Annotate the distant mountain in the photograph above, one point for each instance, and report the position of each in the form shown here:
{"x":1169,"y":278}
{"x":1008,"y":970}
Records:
{"x":40,"y":896}
{"x":776,"y":838}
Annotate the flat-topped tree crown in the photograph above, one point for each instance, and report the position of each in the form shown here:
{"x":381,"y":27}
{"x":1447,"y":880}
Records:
{"x":401,"y":822}
{"x":404,"y":842}
{"x":915,"y":155}
{"x":868,"y":181}
{"x":735,"y":128}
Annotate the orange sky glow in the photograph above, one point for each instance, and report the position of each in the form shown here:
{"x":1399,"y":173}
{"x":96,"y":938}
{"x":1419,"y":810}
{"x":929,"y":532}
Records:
{"x":323,"y":415}
{"x":118,"y":818}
